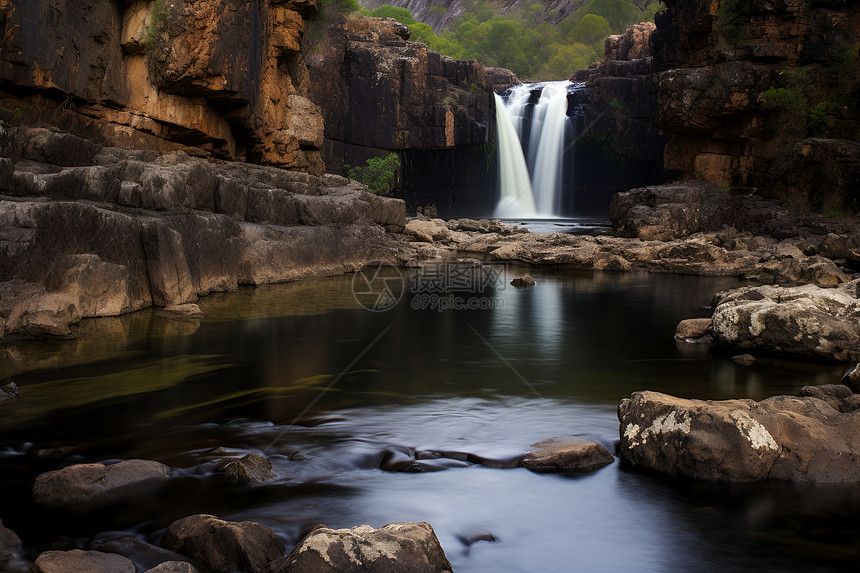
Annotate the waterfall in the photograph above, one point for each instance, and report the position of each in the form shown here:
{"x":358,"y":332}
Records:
{"x":516,"y":199}
{"x":538,"y":114}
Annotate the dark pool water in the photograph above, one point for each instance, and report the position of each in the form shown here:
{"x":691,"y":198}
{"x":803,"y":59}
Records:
{"x":304,"y":375}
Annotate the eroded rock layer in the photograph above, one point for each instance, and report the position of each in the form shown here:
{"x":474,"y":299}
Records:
{"x":104,"y":231}
{"x":222,"y":78}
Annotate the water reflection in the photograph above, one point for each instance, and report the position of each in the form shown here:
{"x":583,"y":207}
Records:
{"x":146,"y":386}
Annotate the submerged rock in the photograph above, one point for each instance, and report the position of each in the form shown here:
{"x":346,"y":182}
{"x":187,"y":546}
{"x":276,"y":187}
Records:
{"x":404,"y":547}
{"x":560,"y":455}
{"x":744,"y":359}
{"x":8,"y":391}
{"x":252,"y":468}
{"x":696,"y":330}
{"x":77,"y":561}
{"x":523,"y":281}
{"x":144,"y":555}
{"x":802,"y":439}
{"x":224,"y":546}
{"x":98,"y":483}
{"x":806,"y":321}
{"x":10,"y":545}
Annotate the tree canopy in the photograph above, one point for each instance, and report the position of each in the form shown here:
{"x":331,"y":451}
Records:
{"x":532,"y":49}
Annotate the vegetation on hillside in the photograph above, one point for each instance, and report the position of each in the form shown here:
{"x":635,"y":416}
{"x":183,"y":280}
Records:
{"x":534,"y":50}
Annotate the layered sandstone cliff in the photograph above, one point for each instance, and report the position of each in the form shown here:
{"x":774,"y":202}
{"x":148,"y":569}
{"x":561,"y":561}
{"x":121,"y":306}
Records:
{"x":218,"y":78}
{"x":741,"y":84}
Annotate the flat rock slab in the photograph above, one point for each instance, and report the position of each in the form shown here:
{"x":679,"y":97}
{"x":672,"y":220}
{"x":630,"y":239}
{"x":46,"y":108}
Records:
{"x":802,"y":439}
{"x":401,"y":547}
{"x":98,"y":483}
{"x":224,"y":546}
{"x":560,"y":455}
{"x":77,"y":561}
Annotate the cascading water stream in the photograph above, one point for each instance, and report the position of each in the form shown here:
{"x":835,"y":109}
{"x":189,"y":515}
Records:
{"x":516,"y":199}
{"x":540,"y":127}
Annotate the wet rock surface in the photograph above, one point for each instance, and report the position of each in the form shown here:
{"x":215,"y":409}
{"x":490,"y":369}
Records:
{"x":565,"y":455}
{"x":851,"y":378}
{"x":523,"y":281}
{"x":144,"y":555}
{"x":8,"y":391}
{"x":251,"y":468}
{"x":224,"y":546}
{"x":98,"y":483}
{"x":802,"y":439}
{"x":394,"y":547}
{"x":77,"y":561}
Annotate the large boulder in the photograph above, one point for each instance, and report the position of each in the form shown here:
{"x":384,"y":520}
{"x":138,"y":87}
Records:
{"x":224,"y":546}
{"x":10,"y":545}
{"x":77,"y":561}
{"x":802,"y":439}
{"x":402,"y":547}
{"x":805,"y":321}
{"x":560,"y":455}
{"x":97,"y":482}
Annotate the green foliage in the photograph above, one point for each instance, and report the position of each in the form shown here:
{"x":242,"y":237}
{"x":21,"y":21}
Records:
{"x":343,"y":6}
{"x":730,"y":23}
{"x":725,"y":188}
{"x":378,"y":173}
{"x":617,"y":109}
{"x":833,"y":213}
{"x":17,"y":114}
{"x":440,"y":10}
{"x":534,"y":51}
{"x":158,"y":20}
{"x":799,"y":114}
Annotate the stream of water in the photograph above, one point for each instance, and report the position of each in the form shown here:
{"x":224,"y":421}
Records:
{"x":144,"y":386}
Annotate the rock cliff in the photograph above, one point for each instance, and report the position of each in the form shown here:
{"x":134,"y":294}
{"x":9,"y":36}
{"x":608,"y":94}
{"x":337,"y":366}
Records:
{"x":219,"y":78}
{"x":741,"y":84}
{"x":380,"y":93}
{"x":92,"y":231}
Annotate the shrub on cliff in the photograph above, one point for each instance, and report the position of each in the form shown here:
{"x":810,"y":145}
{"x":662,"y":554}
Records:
{"x":378,"y":173}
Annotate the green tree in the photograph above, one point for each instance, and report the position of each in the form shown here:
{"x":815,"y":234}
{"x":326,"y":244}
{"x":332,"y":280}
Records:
{"x":378,"y":173}
{"x":590,"y":30}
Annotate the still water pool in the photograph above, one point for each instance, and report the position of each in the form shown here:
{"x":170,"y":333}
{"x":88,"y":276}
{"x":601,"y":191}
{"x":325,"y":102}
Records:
{"x":327,"y":390}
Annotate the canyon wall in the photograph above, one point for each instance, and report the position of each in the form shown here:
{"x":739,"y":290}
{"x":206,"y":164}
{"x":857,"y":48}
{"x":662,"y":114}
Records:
{"x":763,"y":95}
{"x":217,"y":78}
{"x":380,"y":93}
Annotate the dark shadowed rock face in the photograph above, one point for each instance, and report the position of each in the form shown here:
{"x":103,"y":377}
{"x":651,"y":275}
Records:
{"x":402,"y":547}
{"x":381,"y":94}
{"x":559,"y":455}
{"x":77,"y":561}
{"x":714,"y":61}
{"x":802,"y":439}
{"x":851,"y":378}
{"x":805,"y":321}
{"x":98,"y":483}
{"x":224,"y":546}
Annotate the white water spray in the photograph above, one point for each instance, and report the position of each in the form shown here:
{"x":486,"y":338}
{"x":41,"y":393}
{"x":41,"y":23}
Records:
{"x":516,"y":199}
{"x":545,"y":132}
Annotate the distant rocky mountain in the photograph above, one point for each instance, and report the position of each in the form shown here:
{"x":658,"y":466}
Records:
{"x":422,"y":10}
